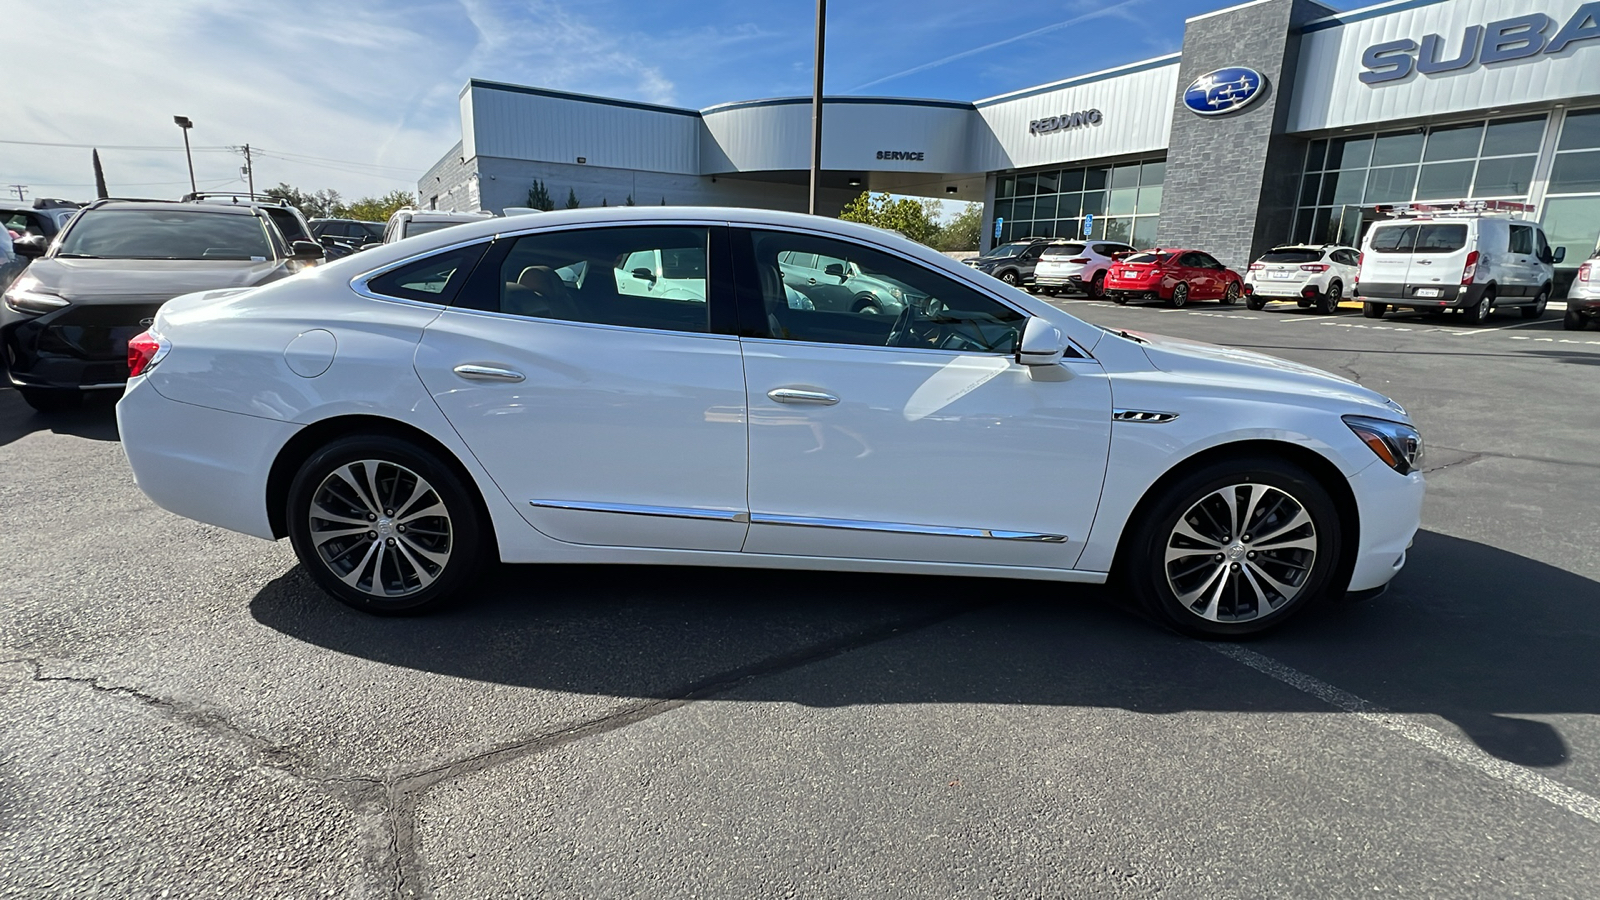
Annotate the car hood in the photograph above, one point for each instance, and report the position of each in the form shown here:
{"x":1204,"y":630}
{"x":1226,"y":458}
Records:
{"x":1196,"y":362}
{"x":77,"y":279}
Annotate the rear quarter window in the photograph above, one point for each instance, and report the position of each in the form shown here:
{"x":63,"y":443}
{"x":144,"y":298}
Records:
{"x":1292,"y":256}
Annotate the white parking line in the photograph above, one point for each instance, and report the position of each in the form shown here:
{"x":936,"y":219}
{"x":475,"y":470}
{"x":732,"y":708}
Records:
{"x":1523,"y":337}
{"x":1502,"y":327}
{"x":1291,"y":320}
{"x":1526,"y":780}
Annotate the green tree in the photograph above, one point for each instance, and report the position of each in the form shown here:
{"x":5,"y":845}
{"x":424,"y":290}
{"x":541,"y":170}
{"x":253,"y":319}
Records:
{"x":963,"y":230}
{"x":376,"y":209}
{"x":572,"y":199}
{"x":630,"y":201}
{"x":916,"y":219}
{"x":539,"y":197}
{"x":603,"y":202}
{"x":315,"y":204}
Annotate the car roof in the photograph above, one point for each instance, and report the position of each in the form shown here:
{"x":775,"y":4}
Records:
{"x":243,"y":209}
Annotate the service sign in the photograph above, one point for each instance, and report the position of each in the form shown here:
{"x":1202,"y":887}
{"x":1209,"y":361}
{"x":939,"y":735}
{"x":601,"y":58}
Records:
{"x":1224,"y":91}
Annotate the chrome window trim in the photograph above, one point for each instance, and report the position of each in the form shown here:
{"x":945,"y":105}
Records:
{"x":903,"y":528}
{"x":738,"y":516}
{"x":637,"y":329}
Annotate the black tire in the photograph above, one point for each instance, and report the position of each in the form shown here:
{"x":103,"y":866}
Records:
{"x":1374,"y":310}
{"x":1230,"y":294}
{"x":1479,"y":313}
{"x":1180,"y":296}
{"x":867,"y":303}
{"x":420,"y":583}
{"x":1303,"y":303}
{"x":1118,"y":298}
{"x":1050,"y":291}
{"x":1573,"y":320}
{"x":1328,"y":302}
{"x":1097,"y":285}
{"x":1143,"y":569}
{"x":1256,"y":302}
{"x":1011,"y":277}
{"x":1539,"y":304}
{"x":47,"y":400}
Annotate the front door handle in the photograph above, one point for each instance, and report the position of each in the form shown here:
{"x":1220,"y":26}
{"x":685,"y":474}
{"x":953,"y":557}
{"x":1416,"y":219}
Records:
{"x":793,"y":395}
{"x":1424,"y":262}
{"x":487,"y":373}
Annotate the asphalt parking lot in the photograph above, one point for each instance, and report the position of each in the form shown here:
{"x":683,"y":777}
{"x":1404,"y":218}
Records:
{"x":183,"y":714}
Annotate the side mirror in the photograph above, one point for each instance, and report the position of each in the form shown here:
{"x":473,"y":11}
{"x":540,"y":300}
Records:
{"x":1042,"y":344}
{"x":834,"y":269}
{"x":306,"y":251}
{"x":32,"y":246}
{"x":1559,"y":255}
{"x":644,"y":275}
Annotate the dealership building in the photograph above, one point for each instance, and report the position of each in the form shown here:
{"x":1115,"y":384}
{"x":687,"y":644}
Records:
{"x":1280,"y":120}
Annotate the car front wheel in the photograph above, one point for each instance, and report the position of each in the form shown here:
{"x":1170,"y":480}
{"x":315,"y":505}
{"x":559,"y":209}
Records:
{"x":1573,"y":320}
{"x":1234,"y":548}
{"x":1538,"y":307}
{"x":1230,"y":295}
{"x":383,"y":525}
{"x":1010,"y":278}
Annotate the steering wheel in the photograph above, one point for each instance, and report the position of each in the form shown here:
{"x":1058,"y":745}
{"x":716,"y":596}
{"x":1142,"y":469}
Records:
{"x":900,"y":331}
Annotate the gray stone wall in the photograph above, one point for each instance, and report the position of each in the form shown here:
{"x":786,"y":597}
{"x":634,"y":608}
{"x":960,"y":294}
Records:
{"x":1231,"y":178}
{"x":446,"y":186}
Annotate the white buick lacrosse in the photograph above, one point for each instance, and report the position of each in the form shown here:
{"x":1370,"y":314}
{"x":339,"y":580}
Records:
{"x":729,"y":387}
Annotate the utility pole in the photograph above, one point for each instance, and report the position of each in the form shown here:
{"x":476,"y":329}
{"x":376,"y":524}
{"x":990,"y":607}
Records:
{"x":184,"y":123}
{"x":816,"y":110}
{"x":249,"y":170}
{"x":21,"y":190}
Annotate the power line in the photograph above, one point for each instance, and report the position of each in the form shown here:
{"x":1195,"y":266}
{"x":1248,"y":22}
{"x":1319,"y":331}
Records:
{"x":112,"y":146}
{"x":284,"y":154}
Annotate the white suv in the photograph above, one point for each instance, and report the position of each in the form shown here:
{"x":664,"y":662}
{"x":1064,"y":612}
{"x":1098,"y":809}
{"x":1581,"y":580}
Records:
{"x":1310,"y":276}
{"x":412,"y":222}
{"x":1469,"y":261}
{"x":1583,"y":298}
{"x":1076,"y":266}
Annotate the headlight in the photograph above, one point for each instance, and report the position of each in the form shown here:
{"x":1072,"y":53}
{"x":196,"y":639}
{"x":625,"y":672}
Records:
{"x":896,"y":293}
{"x":26,"y":296}
{"x":1398,"y":445}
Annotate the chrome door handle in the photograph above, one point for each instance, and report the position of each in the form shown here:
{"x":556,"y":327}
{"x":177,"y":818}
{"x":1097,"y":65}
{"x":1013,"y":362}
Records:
{"x":487,"y":373}
{"x":1424,"y":262}
{"x":791,"y":395}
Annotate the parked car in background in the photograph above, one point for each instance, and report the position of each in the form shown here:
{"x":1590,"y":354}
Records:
{"x":1077,"y":266}
{"x":1312,"y":276}
{"x":1473,"y":258}
{"x":412,"y":222}
{"x":65,"y":323}
{"x":506,"y":412}
{"x":350,"y":233}
{"x":1012,"y":263}
{"x":36,"y":225}
{"x":289,"y":220}
{"x":839,"y":284}
{"x":1583,"y":298}
{"x":1175,"y":276}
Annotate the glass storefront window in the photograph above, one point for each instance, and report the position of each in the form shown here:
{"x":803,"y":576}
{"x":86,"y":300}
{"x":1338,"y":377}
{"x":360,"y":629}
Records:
{"x":1573,"y":223}
{"x":1025,"y":185}
{"x":1023,"y":208}
{"x":1508,"y":136}
{"x":1576,"y":172}
{"x":1006,"y":186}
{"x":1002,"y":210}
{"x":1391,"y":185}
{"x":1454,"y":142}
{"x":1581,"y":130}
{"x":1308,"y":189}
{"x":1397,"y":147}
{"x":1119,"y":230}
{"x":1315,"y":154}
{"x":1051,"y":204}
{"x":1125,"y":176}
{"x":1069,"y":206}
{"x":1144,"y":232}
{"x":1505,"y":177}
{"x":1350,"y":153}
{"x":1149,"y":199}
{"x":1445,"y":181}
{"x":1071,"y":181}
{"x":1094,"y":204}
{"x":1339,"y":188}
{"x":1153,"y":173}
{"x":1123,"y":200}
{"x":1047,"y":182}
{"x":1095,"y":179}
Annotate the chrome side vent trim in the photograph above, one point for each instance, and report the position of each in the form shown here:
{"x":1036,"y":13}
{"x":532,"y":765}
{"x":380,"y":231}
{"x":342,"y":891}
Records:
{"x":757,"y":518}
{"x":632,"y":509}
{"x":1142,"y":415}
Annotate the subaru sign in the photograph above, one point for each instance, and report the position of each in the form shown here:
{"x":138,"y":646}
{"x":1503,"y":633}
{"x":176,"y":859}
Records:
{"x":1518,"y":37}
{"x":1224,"y":91}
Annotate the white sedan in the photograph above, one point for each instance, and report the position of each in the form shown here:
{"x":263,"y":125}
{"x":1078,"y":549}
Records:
{"x":518,"y":389}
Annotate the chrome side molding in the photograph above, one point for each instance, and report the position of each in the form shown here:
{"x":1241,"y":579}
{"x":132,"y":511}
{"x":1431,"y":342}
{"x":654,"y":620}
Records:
{"x":633,"y":509}
{"x":902,"y":528}
{"x":1142,"y":415}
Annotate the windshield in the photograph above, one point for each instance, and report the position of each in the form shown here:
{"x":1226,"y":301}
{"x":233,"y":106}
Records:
{"x":166,"y":234}
{"x":416,"y":228}
{"x":1292,"y":256}
{"x":1146,"y":258}
{"x":1058,"y":250}
{"x":1012,"y":249}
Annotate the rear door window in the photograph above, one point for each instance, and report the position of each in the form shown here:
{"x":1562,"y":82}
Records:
{"x":1394,"y":239}
{"x":1436,"y":237}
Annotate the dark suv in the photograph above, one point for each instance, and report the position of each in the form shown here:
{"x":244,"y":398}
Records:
{"x":352,"y":233}
{"x":1012,"y":263}
{"x":65,"y":323}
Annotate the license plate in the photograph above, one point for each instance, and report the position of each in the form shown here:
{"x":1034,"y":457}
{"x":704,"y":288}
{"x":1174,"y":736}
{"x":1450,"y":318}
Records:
{"x":1281,"y":276}
{"x":1428,"y":292}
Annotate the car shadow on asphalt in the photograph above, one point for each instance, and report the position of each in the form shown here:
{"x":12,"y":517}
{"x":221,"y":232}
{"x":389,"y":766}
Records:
{"x":96,"y":420}
{"x":1481,"y":637}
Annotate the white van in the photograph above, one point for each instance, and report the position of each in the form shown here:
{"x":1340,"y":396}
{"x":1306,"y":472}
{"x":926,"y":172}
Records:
{"x":1472,"y":261}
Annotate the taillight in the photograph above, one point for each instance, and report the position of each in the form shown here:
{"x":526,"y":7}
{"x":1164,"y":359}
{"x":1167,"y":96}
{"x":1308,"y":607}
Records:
{"x":1471,"y":268}
{"x":144,"y":351}
{"x":1256,"y":267}
{"x":1583,"y":272}
{"x":1314,"y":267}
{"x":1081,"y":260}
{"x":1359,"y":258}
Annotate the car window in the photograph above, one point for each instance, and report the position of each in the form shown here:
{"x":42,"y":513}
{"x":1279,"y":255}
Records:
{"x":1544,"y":245}
{"x":1348,"y":257}
{"x":415,"y":228}
{"x":1149,"y":258}
{"x":1191,"y":260}
{"x":885,"y":302}
{"x":1522,"y":239}
{"x":1207,"y":261}
{"x":287,"y":224}
{"x":1062,"y":251}
{"x":436,"y":279}
{"x":1393,"y":239}
{"x":1290,"y":256}
{"x":1440,"y":238}
{"x":22,"y":223}
{"x":167,"y":233}
{"x":635,"y":277}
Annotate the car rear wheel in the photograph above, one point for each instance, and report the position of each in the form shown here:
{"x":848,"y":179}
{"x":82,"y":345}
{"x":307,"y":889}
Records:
{"x":1234,"y":548}
{"x":1010,"y":278}
{"x":1328,"y":303}
{"x":1255,"y":301}
{"x":1180,"y":296}
{"x":1097,"y":285}
{"x":1539,"y":304}
{"x":384,"y":526}
{"x":1479,"y":312}
{"x":1573,"y":320}
{"x":45,"y":400}
{"x":1230,"y":295}
{"x":1374,"y":310}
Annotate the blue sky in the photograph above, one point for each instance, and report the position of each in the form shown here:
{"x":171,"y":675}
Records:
{"x":361,"y":95}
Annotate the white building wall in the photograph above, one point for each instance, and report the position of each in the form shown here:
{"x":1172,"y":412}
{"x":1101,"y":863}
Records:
{"x":1329,"y":92}
{"x":773,"y":135}
{"x":1136,"y":104}
{"x":524,"y":123}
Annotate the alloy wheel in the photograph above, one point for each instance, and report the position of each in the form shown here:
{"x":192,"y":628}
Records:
{"x":1180,"y":296}
{"x":380,"y":528}
{"x":1240,"y":553}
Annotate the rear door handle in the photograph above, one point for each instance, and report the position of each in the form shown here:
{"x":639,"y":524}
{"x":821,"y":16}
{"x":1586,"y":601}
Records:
{"x":793,"y":395}
{"x":487,"y":373}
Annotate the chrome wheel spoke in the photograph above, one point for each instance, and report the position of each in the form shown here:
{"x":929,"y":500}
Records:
{"x":319,"y":511}
{"x":361,"y":526}
{"x":1263,"y":605}
{"x":405,"y":551}
{"x":1300,"y":543}
{"x":1285,"y":591}
{"x":1300,"y":518}
{"x":1188,"y":599}
{"x":438,"y":558}
{"x":1184,"y":529}
{"x":353,"y":577}
{"x":432,"y":510}
{"x":347,"y":475}
{"x":325,"y":535}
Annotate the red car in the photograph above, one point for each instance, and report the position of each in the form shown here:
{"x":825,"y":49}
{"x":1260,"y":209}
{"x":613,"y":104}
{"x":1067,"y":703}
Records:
{"x":1176,"y":276}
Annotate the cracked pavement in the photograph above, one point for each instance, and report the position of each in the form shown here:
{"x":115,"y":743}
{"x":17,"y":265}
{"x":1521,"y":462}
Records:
{"x":181,"y":711}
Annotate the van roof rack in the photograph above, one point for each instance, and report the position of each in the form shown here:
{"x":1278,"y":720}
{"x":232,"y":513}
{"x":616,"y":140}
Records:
{"x":1459,"y":208}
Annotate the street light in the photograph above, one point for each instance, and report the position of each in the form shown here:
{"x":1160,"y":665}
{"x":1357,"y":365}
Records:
{"x":184,"y":123}
{"x":816,"y":111}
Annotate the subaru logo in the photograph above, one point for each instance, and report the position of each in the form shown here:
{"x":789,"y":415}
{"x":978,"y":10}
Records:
{"x":146,"y":323}
{"x":1224,"y":91}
